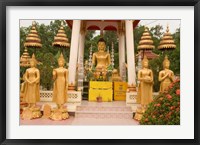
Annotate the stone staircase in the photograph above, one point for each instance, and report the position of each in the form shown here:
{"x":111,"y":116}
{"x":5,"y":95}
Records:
{"x":104,"y":112}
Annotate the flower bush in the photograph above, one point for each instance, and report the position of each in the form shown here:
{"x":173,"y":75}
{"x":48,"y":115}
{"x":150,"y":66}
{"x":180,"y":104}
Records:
{"x":165,"y":108}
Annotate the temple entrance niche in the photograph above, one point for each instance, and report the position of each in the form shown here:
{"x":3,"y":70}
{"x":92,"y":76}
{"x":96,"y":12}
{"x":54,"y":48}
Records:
{"x":100,"y":65}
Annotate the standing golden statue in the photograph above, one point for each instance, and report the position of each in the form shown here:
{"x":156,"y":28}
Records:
{"x":32,"y":78}
{"x":32,"y":94}
{"x":145,"y":76}
{"x":166,"y":76}
{"x":60,"y":75}
{"x":101,"y":59}
{"x":145,"y":91}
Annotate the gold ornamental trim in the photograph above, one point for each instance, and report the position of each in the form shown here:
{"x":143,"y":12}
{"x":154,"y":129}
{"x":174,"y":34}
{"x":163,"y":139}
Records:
{"x":171,"y":46}
{"x":32,"y":44}
{"x":146,"y":47}
{"x":61,"y":38}
{"x":33,"y":38}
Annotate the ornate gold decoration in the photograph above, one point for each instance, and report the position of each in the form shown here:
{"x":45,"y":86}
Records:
{"x":24,"y":59}
{"x":115,"y":76}
{"x":59,"y":114}
{"x":61,"y":40}
{"x":34,"y":59}
{"x":32,"y":39}
{"x":146,"y":41}
{"x":31,"y":113}
{"x":61,"y":58}
{"x":167,"y":41}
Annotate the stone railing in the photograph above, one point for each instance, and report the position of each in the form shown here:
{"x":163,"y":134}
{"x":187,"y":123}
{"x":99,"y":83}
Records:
{"x":73,"y":96}
{"x":131,"y":97}
{"x":131,"y":100}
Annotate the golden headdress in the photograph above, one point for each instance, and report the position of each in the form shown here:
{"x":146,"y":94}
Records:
{"x":61,"y":58}
{"x":33,"y":59}
{"x":165,"y":60}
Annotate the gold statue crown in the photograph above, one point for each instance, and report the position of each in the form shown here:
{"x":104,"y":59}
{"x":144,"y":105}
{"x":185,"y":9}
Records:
{"x":33,"y":59}
{"x":165,"y":60}
{"x":61,"y":58}
{"x":145,"y":59}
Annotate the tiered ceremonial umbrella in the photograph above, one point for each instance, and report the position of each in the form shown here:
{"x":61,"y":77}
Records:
{"x":167,"y":42}
{"x":60,"y":40}
{"x":146,"y":43}
{"x":32,"y":39}
{"x":24,"y":59}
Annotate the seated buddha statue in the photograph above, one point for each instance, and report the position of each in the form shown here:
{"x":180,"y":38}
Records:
{"x":166,"y":76}
{"x":101,"y":59}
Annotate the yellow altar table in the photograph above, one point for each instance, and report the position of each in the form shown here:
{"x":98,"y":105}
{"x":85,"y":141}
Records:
{"x":120,"y":91}
{"x":101,"y":88}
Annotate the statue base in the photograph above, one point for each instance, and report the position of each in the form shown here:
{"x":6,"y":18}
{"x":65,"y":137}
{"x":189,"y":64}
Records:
{"x":31,"y":113}
{"x":139,"y":113}
{"x":59,"y":114}
{"x":131,"y":88}
{"x":71,"y":87}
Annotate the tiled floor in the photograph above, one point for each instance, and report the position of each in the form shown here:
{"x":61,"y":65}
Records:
{"x":86,"y":121}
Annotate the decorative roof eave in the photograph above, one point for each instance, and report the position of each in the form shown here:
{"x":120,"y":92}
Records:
{"x":148,"y":53}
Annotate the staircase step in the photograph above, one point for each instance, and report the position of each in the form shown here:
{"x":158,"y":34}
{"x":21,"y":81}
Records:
{"x":104,"y":115}
{"x":103,"y":112}
{"x":104,"y":108}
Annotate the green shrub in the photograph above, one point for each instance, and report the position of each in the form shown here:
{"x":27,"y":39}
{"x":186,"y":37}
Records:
{"x":165,"y":108}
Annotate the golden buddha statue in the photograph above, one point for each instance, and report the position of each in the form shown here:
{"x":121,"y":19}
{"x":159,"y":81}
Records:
{"x":101,"y":59}
{"x":145,"y":90}
{"x":32,"y":78}
{"x":115,"y":76}
{"x":166,"y":76}
{"x":31,"y":91}
{"x":60,"y":75}
{"x":145,"y":76}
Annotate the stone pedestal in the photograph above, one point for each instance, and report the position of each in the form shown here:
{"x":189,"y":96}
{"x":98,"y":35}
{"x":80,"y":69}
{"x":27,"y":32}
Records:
{"x":59,"y":114}
{"x":31,"y":113}
{"x":131,"y":100}
{"x":139,"y":113}
{"x":101,"y":89}
{"x":120,"y":91}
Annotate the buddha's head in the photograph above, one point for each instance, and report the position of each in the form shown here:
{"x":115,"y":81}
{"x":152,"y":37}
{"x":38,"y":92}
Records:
{"x":33,"y":61}
{"x":61,"y":60}
{"x":101,"y":44}
{"x":145,"y":62}
{"x":166,"y":63}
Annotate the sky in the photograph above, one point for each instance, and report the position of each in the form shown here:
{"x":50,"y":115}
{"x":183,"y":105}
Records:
{"x":173,"y":24}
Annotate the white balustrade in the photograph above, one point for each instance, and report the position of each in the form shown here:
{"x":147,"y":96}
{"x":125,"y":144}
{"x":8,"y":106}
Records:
{"x":73,"y":96}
